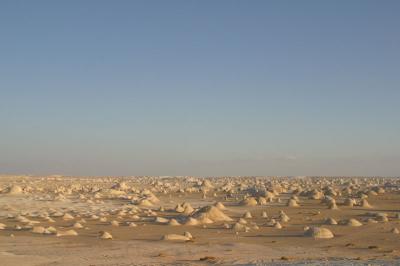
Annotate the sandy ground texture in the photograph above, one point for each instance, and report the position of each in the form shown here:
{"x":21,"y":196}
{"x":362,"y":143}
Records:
{"x":59,"y":220}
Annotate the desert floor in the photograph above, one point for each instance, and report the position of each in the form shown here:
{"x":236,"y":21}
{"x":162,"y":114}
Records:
{"x":128,"y":207}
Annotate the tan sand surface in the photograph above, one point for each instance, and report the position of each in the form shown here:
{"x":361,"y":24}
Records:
{"x":59,"y":220}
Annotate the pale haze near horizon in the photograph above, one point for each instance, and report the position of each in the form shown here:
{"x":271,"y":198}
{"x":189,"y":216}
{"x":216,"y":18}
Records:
{"x":200,"y":87}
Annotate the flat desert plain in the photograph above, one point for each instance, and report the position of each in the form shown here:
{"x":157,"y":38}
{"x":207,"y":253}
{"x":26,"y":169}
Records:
{"x":63,"y":220}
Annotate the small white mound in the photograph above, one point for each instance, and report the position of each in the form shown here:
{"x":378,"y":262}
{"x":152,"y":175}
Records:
{"x":352,"y":222}
{"x":114,"y":223}
{"x":251,"y":201}
{"x":247,"y":215}
{"x":15,"y":190}
{"x":382,"y":217}
{"x":188,"y":209}
{"x":192,"y":221}
{"x":211,"y":213}
{"x":395,"y":231}
{"x":332,"y":205}
{"x":349,"y":202}
{"x":242,"y":221}
{"x":319,"y":233}
{"x":77,"y":225}
{"x":132,"y":224}
{"x":180,"y":238}
{"x":330,"y":221}
{"x":145,"y":203}
{"x":67,"y":217}
{"x":283,"y":217}
{"x":52,"y":230}
{"x":365,"y":204}
{"x":105,"y":235}
{"x":277,"y":225}
{"x":161,"y":220}
{"x":238,"y":227}
{"x":67,"y":233}
{"x":38,"y":230}
{"x":173,"y":222}
{"x":220,"y":206}
{"x":179,"y":208}
{"x":262,"y":201}
{"x":292,"y":203}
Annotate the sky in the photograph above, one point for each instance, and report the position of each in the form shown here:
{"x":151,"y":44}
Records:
{"x":205,"y":88}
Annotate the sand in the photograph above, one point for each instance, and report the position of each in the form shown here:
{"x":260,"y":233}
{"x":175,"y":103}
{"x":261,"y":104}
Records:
{"x":58,"y":220}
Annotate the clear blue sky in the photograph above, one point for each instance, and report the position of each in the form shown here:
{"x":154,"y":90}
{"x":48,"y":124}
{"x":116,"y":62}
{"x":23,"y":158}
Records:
{"x":200,"y":87}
